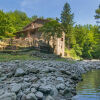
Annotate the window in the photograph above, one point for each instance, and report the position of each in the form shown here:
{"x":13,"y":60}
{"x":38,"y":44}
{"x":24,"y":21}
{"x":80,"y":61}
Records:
{"x":61,"y":39}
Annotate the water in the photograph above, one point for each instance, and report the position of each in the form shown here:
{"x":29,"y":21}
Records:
{"x":89,"y":88}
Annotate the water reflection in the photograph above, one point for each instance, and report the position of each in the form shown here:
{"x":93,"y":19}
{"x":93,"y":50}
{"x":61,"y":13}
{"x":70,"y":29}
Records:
{"x":89,"y":88}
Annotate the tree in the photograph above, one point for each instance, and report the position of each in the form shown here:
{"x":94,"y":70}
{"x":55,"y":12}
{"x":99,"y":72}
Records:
{"x":19,"y":19}
{"x":6,"y":27}
{"x":67,"y":22}
{"x":33,"y":17}
{"x":52,"y":29}
{"x":97,"y":16}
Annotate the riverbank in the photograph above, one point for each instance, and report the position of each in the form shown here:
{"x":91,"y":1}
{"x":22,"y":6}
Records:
{"x":42,"y":80}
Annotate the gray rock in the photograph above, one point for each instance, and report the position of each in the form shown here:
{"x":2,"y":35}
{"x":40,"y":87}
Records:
{"x":1,"y":91}
{"x":47,"y":89}
{"x":49,"y":98}
{"x":8,"y":96}
{"x":68,"y":92}
{"x":39,"y":95}
{"x":60,"y":79}
{"x":74,"y":77}
{"x":75,"y":98}
{"x":25,"y":85}
{"x":19,"y":72}
{"x":33,"y":90}
{"x":19,"y":95}
{"x":36,"y":86}
{"x":23,"y":97}
{"x":15,"y":87}
{"x":3,"y":78}
{"x":33,"y":70}
{"x":34,"y":79}
{"x":63,"y":71}
{"x":31,"y":96}
{"x":27,"y":91}
{"x":60,"y":86}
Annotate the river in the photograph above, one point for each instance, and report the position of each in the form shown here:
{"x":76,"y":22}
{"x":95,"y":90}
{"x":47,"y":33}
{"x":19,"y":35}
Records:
{"x":89,"y":88}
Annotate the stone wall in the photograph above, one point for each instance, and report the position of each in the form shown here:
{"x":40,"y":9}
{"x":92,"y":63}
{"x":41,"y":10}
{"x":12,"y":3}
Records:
{"x":36,"y":40}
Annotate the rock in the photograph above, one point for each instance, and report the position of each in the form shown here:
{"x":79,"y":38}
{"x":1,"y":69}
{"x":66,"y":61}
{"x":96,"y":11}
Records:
{"x":31,"y":96}
{"x":46,"y":89}
{"x":8,"y":96}
{"x":49,"y":98}
{"x":49,"y":70}
{"x":74,"y":77}
{"x":75,"y":98}
{"x":63,"y":71}
{"x":1,"y":91}
{"x":54,"y":92}
{"x":36,"y":86}
{"x":60,"y":79}
{"x":19,"y":95}
{"x":33,"y":70}
{"x":33,"y":90}
{"x":9,"y":75}
{"x":34,"y":79}
{"x":39,"y":95}
{"x":23,"y":97}
{"x":68,"y":92}
{"x":15,"y":87}
{"x":3,"y":78}
{"x":41,"y":80}
{"x":19,"y":72}
{"x":27,"y":91}
{"x":60,"y":86}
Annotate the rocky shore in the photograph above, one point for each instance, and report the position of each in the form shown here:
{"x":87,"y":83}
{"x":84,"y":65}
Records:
{"x":42,"y":80}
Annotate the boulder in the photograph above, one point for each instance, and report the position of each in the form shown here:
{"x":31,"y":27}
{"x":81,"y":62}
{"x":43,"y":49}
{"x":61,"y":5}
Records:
{"x":1,"y":91}
{"x":60,"y":86}
{"x":60,"y":79}
{"x":31,"y":96}
{"x":19,"y":72}
{"x":33,"y":90}
{"x":39,"y":95}
{"x":8,"y":96}
{"x":49,"y":98}
{"x":46,"y":89}
{"x":15,"y":87}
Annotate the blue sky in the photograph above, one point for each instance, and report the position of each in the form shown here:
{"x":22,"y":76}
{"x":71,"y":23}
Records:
{"x":83,"y":10}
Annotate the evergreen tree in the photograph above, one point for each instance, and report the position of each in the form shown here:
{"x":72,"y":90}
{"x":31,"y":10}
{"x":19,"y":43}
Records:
{"x":97,"y":16}
{"x":67,"y":22}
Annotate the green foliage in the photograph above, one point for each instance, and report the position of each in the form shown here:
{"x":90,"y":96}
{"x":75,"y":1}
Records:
{"x":6,"y":27}
{"x":51,"y":29}
{"x":33,"y":17}
{"x":72,"y":54}
{"x":18,"y":19}
{"x":97,"y":16}
{"x":87,"y":40}
{"x":67,"y":23}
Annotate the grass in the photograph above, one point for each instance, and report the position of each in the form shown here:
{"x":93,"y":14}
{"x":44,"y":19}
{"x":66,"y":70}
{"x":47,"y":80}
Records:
{"x":66,"y":60}
{"x":9,"y":57}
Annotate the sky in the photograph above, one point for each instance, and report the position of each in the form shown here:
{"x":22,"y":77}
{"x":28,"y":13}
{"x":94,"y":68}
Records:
{"x":84,"y":10}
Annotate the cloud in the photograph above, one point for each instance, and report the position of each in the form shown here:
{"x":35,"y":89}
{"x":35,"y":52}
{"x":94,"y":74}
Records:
{"x":26,"y":3}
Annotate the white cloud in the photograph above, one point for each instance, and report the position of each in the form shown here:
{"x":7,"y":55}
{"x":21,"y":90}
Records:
{"x":26,"y":3}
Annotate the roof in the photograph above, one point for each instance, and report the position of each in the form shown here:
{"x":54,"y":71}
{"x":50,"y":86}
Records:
{"x":23,"y":31}
{"x":37,"y":22}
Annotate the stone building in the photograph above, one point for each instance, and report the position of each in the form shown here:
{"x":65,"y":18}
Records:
{"x":31,"y":36}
